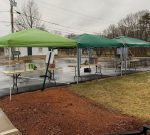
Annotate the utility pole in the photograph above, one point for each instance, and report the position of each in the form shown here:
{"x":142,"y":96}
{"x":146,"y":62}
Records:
{"x":12,"y":5}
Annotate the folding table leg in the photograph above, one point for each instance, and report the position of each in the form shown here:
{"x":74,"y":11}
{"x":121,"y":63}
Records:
{"x":15,"y":81}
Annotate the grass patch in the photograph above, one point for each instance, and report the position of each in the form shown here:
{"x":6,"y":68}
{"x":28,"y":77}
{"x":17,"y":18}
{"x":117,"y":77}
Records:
{"x":129,"y":94}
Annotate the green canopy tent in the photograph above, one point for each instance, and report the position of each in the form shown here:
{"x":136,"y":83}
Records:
{"x":94,"y":41}
{"x":36,"y":38}
{"x":131,"y":42}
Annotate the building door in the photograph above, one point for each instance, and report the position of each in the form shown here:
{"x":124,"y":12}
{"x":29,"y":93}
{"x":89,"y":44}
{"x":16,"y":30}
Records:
{"x":29,"y":51}
{"x":1,"y":51}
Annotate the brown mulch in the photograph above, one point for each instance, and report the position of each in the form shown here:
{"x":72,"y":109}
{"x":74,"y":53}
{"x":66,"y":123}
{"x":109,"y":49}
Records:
{"x":57,"y":111}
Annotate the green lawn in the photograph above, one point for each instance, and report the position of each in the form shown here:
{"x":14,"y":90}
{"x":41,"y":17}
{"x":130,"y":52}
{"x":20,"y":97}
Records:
{"x":129,"y":94}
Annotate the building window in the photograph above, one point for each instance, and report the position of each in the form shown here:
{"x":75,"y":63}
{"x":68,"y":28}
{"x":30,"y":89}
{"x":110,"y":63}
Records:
{"x":40,"y":49}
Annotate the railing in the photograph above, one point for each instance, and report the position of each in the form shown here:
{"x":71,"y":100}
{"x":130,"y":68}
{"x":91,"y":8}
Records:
{"x":25,"y":59}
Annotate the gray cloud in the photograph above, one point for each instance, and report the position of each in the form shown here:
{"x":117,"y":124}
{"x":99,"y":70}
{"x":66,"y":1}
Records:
{"x":90,"y":15}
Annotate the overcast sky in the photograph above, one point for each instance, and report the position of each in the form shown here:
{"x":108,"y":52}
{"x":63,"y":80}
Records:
{"x":79,"y":16}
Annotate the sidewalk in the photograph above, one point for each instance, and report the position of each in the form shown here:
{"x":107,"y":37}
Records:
{"x":6,"y":127}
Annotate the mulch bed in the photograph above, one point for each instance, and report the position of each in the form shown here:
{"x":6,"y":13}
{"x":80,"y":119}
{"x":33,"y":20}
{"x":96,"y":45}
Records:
{"x":57,"y":111}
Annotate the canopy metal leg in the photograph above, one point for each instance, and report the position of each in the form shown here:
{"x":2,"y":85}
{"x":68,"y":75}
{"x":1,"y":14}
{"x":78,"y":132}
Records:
{"x":78,"y":64}
{"x":10,"y":89}
{"x":90,"y":55}
{"x":121,"y":58}
{"x":43,"y":87}
{"x":126,"y":59}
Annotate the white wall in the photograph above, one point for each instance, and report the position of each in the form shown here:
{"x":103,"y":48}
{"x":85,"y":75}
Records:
{"x":23,"y":51}
{"x":35,"y":51}
{"x":6,"y":52}
{"x":39,"y":51}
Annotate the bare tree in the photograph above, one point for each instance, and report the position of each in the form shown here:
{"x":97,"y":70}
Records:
{"x":135,"y":25}
{"x":29,"y":17}
{"x":130,"y":26}
{"x":71,"y":51}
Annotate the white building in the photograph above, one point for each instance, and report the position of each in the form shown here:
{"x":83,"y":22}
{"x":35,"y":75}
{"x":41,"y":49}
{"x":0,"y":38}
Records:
{"x":24,"y":51}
